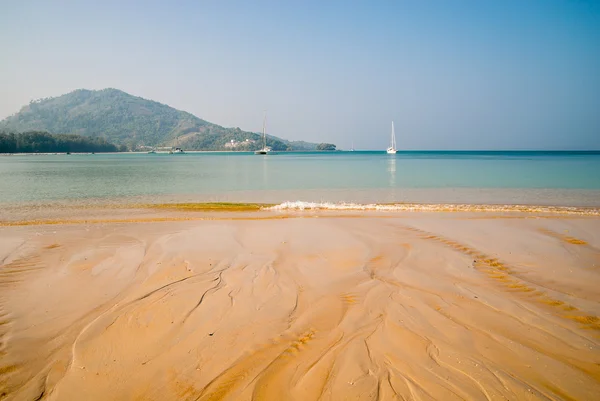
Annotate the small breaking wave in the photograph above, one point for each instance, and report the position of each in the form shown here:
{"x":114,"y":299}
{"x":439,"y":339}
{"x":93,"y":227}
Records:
{"x":416,"y":207}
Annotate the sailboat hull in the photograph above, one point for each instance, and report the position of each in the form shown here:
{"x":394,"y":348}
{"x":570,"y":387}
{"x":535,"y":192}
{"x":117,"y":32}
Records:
{"x":391,"y":151}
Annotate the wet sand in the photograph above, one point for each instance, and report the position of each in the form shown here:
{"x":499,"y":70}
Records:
{"x":305,"y":306}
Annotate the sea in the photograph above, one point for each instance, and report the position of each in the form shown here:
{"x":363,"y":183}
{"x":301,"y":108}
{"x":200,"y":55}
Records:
{"x":306,"y":179}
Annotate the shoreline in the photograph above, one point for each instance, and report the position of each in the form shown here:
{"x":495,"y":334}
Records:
{"x":249,"y":152}
{"x":382,"y":151}
{"x":51,"y":209}
{"x":188,"y":212}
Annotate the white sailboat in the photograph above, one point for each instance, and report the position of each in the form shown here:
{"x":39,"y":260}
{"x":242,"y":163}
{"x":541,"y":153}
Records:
{"x":265,"y":149}
{"x":392,"y":149}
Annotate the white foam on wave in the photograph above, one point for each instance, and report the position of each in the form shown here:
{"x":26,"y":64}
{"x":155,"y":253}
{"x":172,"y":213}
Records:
{"x":414,"y":207}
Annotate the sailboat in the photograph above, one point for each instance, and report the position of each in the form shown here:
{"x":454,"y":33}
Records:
{"x":265,"y":149}
{"x":392,"y":149}
{"x":352,"y":148}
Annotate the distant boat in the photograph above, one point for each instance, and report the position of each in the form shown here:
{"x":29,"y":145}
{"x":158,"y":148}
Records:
{"x":152,"y":151}
{"x":352,"y":148}
{"x":265,"y":149}
{"x":392,"y":149}
{"x":177,"y":148}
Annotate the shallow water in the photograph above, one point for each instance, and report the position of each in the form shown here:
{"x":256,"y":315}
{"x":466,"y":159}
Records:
{"x":542,"y":178}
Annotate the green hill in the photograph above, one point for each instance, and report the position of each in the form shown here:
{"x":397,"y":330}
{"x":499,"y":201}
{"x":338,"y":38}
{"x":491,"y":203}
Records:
{"x":129,"y":120}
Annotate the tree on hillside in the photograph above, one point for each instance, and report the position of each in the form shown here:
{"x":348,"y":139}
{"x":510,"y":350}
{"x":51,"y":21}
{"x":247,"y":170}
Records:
{"x":326,"y":146}
{"x":43,"y":142}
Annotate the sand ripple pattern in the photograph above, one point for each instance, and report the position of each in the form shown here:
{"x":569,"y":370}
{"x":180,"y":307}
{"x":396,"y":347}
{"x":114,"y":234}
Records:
{"x":428,"y":307}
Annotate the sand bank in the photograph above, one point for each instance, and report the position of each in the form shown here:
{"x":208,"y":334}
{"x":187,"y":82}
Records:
{"x":365,"y":306}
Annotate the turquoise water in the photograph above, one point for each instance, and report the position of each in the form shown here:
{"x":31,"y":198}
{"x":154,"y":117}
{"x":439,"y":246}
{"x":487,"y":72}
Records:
{"x":545,"y":178}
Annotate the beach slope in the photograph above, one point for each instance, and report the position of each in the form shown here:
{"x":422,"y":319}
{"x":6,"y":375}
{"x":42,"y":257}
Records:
{"x":419,"y":306}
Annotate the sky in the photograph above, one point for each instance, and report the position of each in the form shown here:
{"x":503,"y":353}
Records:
{"x":457,"y":74}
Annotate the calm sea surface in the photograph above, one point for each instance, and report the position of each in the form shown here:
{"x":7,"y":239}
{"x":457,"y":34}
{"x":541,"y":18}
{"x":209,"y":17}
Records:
{"x":542,"y":178}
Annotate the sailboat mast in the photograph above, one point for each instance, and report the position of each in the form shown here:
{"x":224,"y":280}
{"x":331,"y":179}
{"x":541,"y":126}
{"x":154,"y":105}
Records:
{"x":393,"y":141}
{"x":265,"y":131}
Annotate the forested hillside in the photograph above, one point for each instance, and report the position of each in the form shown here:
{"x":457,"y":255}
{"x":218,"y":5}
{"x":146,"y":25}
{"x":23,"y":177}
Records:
{"x":43,"y":142}
{"x":129,"y":120}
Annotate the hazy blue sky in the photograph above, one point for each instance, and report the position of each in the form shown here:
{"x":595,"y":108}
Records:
{"x":451,"y":74}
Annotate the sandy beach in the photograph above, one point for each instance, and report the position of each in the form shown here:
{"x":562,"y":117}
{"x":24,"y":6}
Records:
{"x":301,"y":306}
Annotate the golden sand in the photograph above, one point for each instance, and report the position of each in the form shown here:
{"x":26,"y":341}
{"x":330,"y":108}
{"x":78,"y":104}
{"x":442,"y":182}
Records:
{"x":415,"y":306}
